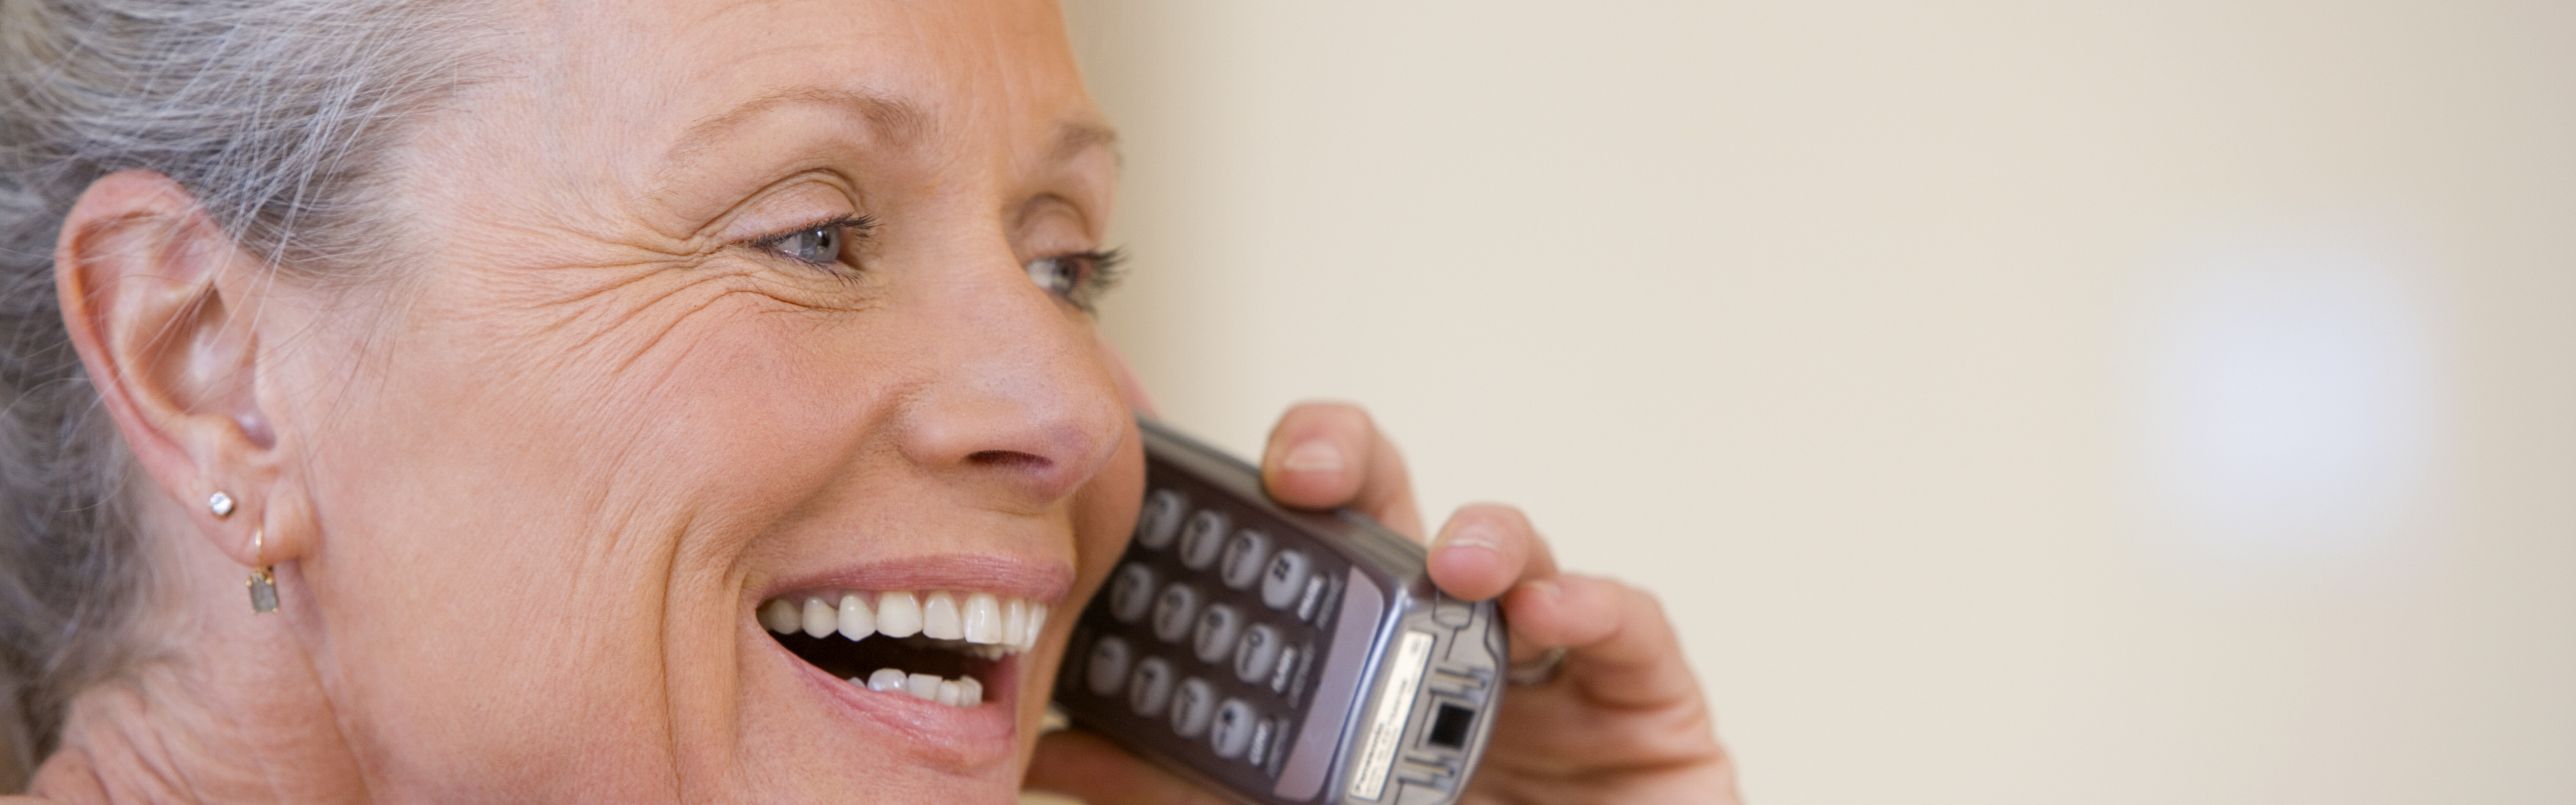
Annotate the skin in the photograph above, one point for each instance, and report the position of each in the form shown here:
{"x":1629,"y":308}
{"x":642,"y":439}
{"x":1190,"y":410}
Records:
{"x":524,"y":498}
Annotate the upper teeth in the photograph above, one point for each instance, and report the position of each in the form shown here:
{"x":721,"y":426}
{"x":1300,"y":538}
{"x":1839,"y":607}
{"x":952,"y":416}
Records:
{"x":1012,"y":624}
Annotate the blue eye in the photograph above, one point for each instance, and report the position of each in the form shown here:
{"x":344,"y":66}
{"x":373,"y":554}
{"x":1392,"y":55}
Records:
{"x":1078,"y":278}
{"x":1057,"y":275}
{"x":819,"y":244}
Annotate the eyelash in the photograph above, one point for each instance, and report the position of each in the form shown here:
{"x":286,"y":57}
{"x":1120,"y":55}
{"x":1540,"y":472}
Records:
{"x":1100,"y":268}
{"x":850,"y":228}
{"x":1100,"y":271}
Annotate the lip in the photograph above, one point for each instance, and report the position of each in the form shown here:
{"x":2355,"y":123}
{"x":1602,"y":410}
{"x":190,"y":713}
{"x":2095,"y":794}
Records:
{"x":978,"y":736}
{"x":961,"y":738}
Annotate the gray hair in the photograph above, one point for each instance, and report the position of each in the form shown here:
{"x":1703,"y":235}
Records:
{"x":276,"y":115}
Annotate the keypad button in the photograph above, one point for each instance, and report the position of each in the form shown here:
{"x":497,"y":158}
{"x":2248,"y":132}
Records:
{"x":1264,"y":737}
{"x":1285,"y":578}
{"x":1161,"y":519}
{"x":1288,"y":658}
{"x":1256,"y":654}
{"x":1215,"y":635}
{"x":1174,"y":611}
{"x":1192,"y":707}
{"x":1310,"y":603}
{"x":1150,"y":688}
{"x":1235,"y":723}
{"x":1108,"y":666}
{"x":1205,"y":537}
{"x":1132,"y":593}
{"x":1241,"y":564}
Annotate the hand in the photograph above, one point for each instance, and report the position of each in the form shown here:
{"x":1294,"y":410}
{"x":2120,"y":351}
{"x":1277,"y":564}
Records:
{"x":1623,"y":723}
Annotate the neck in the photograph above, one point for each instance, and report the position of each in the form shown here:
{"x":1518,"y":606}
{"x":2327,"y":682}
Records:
{"x":233,"y":711}
{"x":132,"y":741}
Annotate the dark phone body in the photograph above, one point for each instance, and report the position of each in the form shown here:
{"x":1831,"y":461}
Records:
{"x":1281,"y":656}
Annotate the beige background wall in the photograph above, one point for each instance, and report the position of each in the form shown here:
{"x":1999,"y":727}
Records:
{"x":2014,"y":402}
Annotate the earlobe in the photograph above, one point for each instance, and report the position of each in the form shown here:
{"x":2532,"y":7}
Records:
{"x":155,"y":297}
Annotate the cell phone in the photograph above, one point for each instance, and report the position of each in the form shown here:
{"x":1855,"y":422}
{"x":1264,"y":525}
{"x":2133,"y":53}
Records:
{"x":1279,"y":655}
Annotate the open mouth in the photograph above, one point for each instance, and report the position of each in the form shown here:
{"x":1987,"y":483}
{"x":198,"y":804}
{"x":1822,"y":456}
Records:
{"x":944,"y":647}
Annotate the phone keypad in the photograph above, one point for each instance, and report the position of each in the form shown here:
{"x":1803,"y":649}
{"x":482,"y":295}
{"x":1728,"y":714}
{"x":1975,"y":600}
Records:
{"x":1151,"y":688}
{"x":1161,"y":519}
{"x":1108,"y":666}
{"x":1205,"y":537}
{"x":1215,"y":636}
{"x":1234,"y":723}
{"x":1174,"y":611}
{"x":1209,"y":625}
{"x":1241,"y":564}
{"x":1265,"y":734}
{"x":1241,"y":641}
{"x":1312,"y":600}
{"x":1131,"y":595}
{"x":1193,"y":707}
{"x":1258,"y":654}
{"x":1288,"y":658}
{"x":1285,"y":577}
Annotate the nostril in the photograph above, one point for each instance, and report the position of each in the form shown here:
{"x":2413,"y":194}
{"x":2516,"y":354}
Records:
{"x":1009,"y":460}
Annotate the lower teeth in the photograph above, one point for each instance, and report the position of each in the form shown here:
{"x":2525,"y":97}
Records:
{"x":959,"y":692}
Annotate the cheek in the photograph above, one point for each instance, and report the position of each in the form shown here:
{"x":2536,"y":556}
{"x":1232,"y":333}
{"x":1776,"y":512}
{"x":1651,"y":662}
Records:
{"x":1105,"y":512}
{"x":495,"y":515}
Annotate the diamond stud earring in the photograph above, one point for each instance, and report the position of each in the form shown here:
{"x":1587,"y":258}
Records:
{"x":221,"y":504}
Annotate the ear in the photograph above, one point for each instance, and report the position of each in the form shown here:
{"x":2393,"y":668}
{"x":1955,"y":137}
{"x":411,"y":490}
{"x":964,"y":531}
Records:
{"x":154,"y":296}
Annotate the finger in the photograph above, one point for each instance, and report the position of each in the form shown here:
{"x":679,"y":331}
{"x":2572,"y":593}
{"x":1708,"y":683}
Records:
{"x":1323,"y":455}
{"x":1485,"y":549}
{"x":1092,"y":769}
{"x":1625,"y":653}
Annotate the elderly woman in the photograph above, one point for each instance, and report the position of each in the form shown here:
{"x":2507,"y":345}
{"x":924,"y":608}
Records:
{"x":517,"y":353}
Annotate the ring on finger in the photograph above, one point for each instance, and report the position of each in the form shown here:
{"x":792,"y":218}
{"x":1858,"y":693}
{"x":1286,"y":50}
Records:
{"x":1539,"y":670}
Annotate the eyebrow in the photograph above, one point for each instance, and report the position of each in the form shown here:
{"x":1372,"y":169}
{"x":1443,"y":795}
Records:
{"x":898,"y":120}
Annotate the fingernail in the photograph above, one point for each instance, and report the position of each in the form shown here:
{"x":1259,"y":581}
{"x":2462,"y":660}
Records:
{"x":1313,"y":455}
{"x":1479,"y":537}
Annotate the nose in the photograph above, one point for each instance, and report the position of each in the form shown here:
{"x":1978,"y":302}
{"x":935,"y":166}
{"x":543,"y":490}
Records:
{"x":1020,"y":402}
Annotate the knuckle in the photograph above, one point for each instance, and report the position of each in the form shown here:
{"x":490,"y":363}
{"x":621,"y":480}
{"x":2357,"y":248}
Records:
{"x":1336,"y":416}
{"x":1499,"y":521}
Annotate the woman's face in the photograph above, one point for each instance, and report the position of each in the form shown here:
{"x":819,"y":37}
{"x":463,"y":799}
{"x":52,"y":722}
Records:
{"x":719,"y":303}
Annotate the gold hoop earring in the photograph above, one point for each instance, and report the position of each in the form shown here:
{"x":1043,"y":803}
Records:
{"x":263,"y":584}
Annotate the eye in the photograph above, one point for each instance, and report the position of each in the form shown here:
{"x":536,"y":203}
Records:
{"x":817,"y":244}
{"x":1057,"y":275}
{"x":1078,"y":278}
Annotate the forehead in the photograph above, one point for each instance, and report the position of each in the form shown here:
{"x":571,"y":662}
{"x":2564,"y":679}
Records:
{"x":664,"y":79}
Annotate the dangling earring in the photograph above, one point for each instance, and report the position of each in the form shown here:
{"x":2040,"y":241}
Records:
{"x":263,"y":585}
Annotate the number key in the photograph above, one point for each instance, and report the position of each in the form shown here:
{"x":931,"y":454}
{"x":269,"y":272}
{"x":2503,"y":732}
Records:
{"x":1285,"y":578}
